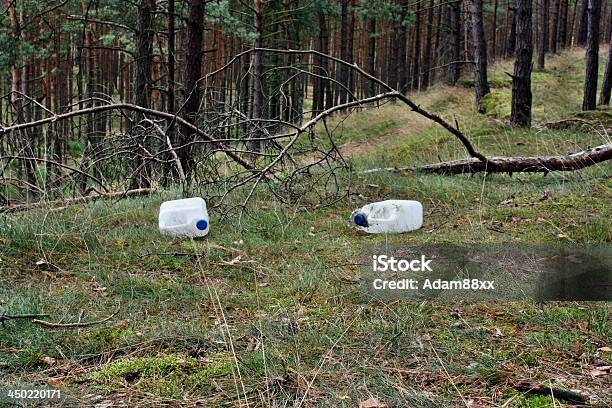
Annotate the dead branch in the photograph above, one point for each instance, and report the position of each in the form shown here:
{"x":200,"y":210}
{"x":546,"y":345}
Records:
{"x":77,"y":200}
{"x":454,"y":130}
{"x":545,"y":164}
{"x":6,"y":318}
{"x":134,"y":108}
{"x":78,"y":324}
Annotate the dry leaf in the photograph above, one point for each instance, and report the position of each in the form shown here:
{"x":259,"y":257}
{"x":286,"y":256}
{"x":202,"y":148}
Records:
{"x":372,"y":403}
{"x":601,"y":371}
{"x":122,"y":324}
{"x":605,"y":349}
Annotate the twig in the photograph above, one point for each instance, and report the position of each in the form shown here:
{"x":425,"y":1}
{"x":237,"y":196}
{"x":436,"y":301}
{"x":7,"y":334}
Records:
{"x":6,"y":318}
{"x":78,"y":200}
{"x":79,"y":324}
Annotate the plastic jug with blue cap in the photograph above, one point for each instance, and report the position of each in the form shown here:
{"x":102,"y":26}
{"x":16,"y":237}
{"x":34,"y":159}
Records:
{"x":187,"y":217}
{"x":390,"y":216}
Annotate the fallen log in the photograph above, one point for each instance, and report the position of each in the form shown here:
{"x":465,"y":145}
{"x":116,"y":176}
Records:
{"x":544,"y":164}
{"x":77,"y":200}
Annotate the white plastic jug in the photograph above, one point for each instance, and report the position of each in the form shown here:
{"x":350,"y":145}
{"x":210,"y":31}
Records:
{"x":390,"y":216}
{"x":184,"y":218}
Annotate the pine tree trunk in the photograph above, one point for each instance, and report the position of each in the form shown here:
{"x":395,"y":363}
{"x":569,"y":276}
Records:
{"x":453,"y":41}
{"x":481,"y":83}
{"x":436,"y":53}
{"x":543,"y":44}
{"x":563,"y":25}
{"x":494,"y":30}
{"x":584,"y":24}
{"x":521,"y":81}
{"x":191,"y":74}
{"x":371,"y":86}
{"x":428,"y":42}
{"x":573,"y":24}
{"x":511,"y":40}
{"x":402,"y":69}
{"x":604,"y":96}
{"x":554,"y":36}
{"x":171,"y":59}
{"x":589,"y":101}
{"x":344,"y":26}
{"x":416,"y":56}
{"x":258,"y":68}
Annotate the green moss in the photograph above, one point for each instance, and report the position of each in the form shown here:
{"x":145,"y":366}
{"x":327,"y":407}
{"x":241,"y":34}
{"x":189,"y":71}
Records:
{"x":532,"y":401}
{"x":170,"y":375}
{"x":497,"y":104}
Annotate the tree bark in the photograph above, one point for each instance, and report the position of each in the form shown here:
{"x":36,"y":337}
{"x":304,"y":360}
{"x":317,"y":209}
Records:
{"x":494,"y":30}
{"x":191,"y":74}
{"x":428,"y":41}
{"x":258,"y":68}
{"x":402,"y":69}
{"x":554,"y":36}
{"x":416,"y":56}
{"x":583,"y":30}
{"x":604,"y":96}
{"x":589,"y":101}
{"x":543,"y":45}
{"x":521,"y":80}
{"x":511,"y":40}
{"x":371,"y":86}
{"x":481,"y":83}
{"x":343,"y":69}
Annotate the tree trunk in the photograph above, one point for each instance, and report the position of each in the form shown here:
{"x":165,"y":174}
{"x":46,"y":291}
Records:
{"x":428,"y":41}
{"x":343,"y":74}
{"x":402,"y":69}
{"x":481,"y":83}
{"x":562,"y":43}
{"x":191,"y":74}
{"x":554,"y":36}
{"x":451,"y":48}
{"x":584,"y":24}
{"x":416,"y":56}
{"x":511,"y":40}
{"x":171,"y":59}
{"x":543,"y":45}
{"x":494,"y":30}
{"x":604,"y":96}
{"x":258,"y":68}
{"x":521,"y":80}
{"x":371,"y":86}
{"x":589,"y":101}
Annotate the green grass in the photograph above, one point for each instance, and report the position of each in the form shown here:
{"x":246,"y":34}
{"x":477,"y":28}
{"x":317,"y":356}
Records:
{"x":299,"y":324}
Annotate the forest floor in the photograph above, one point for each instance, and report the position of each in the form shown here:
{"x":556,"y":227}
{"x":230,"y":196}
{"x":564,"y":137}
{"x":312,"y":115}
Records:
{"x":272,"y":313}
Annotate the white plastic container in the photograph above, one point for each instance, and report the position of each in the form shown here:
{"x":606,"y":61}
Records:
{"x":391,"y":216}
{"x":184,"y":218}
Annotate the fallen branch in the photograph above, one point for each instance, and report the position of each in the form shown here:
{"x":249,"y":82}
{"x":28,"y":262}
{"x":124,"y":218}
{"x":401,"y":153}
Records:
{"x":545,"y":164}
{"x":77,"y":200}
{"x":77,"y":324}
{"x":6,"y":318}
{"x":573,"y":397}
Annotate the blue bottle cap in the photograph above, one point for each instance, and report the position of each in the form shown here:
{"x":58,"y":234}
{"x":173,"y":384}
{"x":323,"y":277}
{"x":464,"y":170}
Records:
{"x":361,"y":220}
{"x":201,"y":225}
